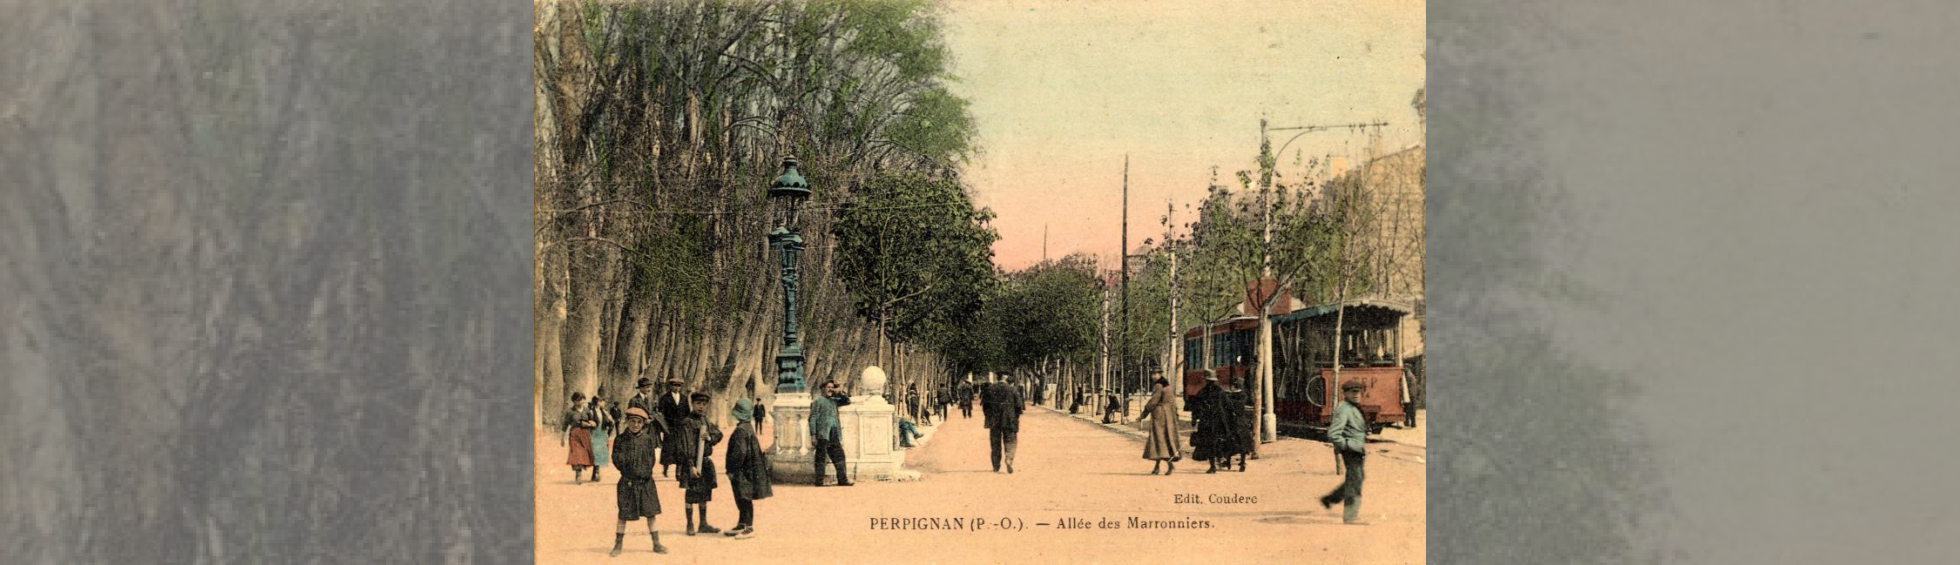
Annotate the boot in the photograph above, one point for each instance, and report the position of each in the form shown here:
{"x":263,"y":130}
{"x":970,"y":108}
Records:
{"x":1351,"y":512}
{"x":657,"y":548}
{"x":619,"y":540}
{"x":689,"y":513}
{"x":1173,"y":468}
{"x":705,"y":528}
{"x":595,"y":474}
{"x":576,"y":473}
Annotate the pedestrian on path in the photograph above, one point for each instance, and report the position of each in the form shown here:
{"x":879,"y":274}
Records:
{"x":579,"y":421}
{"x":633,"y":456}
{"x":966,"y":398}
{"x":608,"y":426}
{"x":1349,"y":433}
{"x":826,"y":434}
{"x":696,"y":466}
{"x":1161,"y":447}
{"x":1210,"y":442}
{"x":673,"y":411}
{"x":748,"y":467}
{"x":1238,"y":427}
{"x":945,"y":401}
{"x":1001,"y":406}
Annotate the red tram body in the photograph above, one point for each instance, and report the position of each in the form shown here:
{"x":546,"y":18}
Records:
{"x":1303,"y":364}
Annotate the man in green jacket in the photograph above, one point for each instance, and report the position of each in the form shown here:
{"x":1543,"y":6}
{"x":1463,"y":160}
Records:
{"x":1349,"y":433}
{"x":826,"y":435}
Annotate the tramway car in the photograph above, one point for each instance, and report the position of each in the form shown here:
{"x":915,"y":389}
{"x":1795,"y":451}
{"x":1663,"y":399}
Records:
{"x":1304,"y":380}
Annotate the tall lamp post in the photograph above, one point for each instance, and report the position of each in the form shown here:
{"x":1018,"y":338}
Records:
{"x":791,"y":190}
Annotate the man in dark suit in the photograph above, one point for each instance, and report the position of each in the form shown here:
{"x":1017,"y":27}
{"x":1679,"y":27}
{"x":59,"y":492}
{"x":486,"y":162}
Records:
{"x":674,"y":411}
{"x":1001,"y":406}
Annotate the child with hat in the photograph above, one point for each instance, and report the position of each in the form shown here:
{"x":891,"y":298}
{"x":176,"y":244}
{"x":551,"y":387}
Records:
{"x":633,"y":456}
{"x":694,"y":464}
{"x":748,"y":467}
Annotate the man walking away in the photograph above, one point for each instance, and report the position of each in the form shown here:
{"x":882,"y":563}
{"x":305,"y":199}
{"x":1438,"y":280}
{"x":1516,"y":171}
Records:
{"x":825,"y":432}
{"x":1001,"y":405}
{"x":1349,"y":433}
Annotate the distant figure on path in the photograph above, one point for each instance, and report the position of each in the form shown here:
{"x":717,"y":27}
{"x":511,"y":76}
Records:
{"x":1162,"y":446}
{"x":1348,"y":432}
{"x":579,"y":421}
{"x":633,"y":456}
{"x":965,"y":398}
{"x":1001,"y":406}
{"x":826,"y":434}
{"x":748,"y":467}
{"x":1112,"y":407}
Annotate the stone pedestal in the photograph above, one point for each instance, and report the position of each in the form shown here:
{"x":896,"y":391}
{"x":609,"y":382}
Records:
{"x":870,"y":437}
{"x":790,"y":456}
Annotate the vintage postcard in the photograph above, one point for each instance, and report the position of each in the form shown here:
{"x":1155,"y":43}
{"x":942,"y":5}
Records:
{"x":980,"y":281}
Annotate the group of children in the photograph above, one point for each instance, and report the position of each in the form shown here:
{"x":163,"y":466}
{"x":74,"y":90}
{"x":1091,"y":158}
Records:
{"x":691,"y":448}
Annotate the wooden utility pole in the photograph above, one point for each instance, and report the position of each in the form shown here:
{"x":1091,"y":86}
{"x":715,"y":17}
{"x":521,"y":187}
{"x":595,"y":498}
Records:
{"x":1123,"y":262}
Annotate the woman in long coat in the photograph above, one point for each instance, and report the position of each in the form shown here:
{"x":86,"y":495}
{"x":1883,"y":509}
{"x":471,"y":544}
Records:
{"x":1208,"y":443}
{"x":1162,"y":446}
{"x":748,"y":468}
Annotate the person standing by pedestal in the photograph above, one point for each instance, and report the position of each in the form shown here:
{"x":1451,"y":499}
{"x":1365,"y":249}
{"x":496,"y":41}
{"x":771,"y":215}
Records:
{"x":1349,"y":433}
{"x":748,"y":467}
{"x":633,"y":456}
{"x":1001,"y":405}
{"x":695,"y":465}
{"x":673,"y":411}
{"x":1162,"y":446}
{"x":826,"y":435}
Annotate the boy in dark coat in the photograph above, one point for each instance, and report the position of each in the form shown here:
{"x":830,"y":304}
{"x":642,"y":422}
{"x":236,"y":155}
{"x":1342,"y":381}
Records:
{"x":633,"y":456}
{"x":748,"y":467}
{"x":694,"y":464}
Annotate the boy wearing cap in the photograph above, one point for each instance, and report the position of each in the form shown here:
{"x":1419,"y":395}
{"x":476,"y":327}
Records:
{"x":633,"y":456}
{"x":695,"y":466}
{"x":1348,"y":431}
{"x":748,"y":467}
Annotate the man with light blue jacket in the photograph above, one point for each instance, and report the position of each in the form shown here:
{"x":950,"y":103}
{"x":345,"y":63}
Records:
{"x":1348,"y":431}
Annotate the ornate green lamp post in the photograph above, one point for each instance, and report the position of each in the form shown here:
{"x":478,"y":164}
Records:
{"x":790,"y":190}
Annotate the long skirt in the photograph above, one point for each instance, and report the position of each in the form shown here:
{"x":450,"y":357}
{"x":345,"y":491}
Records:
{"x":600,"y":447}
{"x":581,"y":448}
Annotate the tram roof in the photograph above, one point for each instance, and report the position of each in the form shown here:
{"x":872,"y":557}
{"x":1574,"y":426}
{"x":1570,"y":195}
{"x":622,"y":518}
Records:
{"x":1369,"y":305}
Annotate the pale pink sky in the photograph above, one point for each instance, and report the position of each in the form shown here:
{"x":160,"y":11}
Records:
{"x":1061,"y":90}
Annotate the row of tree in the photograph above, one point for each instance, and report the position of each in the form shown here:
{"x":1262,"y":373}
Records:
{"x":659,"y":127}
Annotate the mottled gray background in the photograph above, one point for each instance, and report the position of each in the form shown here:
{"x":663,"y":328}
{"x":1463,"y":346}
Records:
{"x":266,"y":272}
{"x":1693,"y":282}
{"x":266,"y":284}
